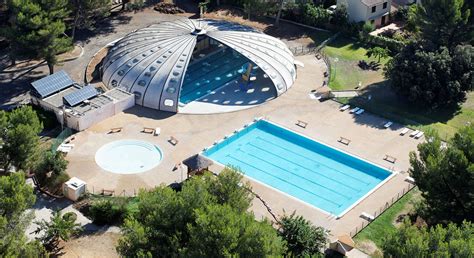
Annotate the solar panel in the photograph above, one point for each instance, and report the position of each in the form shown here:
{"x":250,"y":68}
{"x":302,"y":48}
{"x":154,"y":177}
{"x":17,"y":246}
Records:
{"x":52,"y":83}
{"x":80,"y":95}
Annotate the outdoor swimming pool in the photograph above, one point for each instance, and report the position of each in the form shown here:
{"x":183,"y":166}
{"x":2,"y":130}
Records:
{"x":128,"y":156}
{"x":310,"y":171}
{"x":210,"y":73}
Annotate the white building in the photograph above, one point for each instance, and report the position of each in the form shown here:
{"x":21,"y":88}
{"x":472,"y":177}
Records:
{"x":78,"y":107}
{"x":375,"y":11}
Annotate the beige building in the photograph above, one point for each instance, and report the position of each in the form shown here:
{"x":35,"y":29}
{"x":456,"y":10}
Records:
{"x":375,"y":11}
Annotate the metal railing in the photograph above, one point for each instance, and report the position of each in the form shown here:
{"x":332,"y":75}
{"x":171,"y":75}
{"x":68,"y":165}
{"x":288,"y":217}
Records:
{"x":381,"y":209}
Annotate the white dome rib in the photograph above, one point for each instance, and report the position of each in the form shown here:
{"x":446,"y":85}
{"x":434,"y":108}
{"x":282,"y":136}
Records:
{"x":152,"y":62}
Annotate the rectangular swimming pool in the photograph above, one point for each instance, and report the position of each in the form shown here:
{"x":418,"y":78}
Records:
{"x":312,"y":172}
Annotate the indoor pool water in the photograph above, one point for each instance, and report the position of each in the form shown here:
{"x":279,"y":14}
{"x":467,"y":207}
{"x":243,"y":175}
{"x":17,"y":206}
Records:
{"x":310,"y":171}
{"x":128,"y":156}
{"x":210,"y":73}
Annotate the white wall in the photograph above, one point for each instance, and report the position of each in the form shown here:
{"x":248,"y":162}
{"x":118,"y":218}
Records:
{"x":358,"y":11}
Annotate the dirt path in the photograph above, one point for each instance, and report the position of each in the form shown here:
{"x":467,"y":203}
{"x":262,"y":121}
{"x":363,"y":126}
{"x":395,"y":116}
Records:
{"x":97,"y":245}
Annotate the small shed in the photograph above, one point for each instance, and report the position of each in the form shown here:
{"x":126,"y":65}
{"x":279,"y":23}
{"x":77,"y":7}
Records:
{"x":197,"y":164}
{"x":343,"y":245}
{"x":74,"y":188}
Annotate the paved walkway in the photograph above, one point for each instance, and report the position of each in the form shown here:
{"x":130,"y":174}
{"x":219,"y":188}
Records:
{"x":325,"y":123}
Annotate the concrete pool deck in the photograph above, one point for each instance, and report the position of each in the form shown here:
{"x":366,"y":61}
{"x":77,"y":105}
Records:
{"x":195,"y":132}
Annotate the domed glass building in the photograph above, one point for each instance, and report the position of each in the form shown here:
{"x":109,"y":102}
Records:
{"x":171,"y":64}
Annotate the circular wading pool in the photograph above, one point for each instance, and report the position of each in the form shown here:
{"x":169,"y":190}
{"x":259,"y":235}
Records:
{"x":128,"y":156}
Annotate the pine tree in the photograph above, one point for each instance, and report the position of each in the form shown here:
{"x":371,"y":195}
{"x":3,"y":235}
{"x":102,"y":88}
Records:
{"x":37,"y":29}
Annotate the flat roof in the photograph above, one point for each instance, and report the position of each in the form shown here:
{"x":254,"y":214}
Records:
{"x":56,"y":100}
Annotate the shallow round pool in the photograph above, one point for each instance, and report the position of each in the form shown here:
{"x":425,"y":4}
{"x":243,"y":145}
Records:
{"x":128,"y":156}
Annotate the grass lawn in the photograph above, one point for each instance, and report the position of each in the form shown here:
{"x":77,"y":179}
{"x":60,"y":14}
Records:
{"x":385,"y":103}
{"x":344,"y":54}
{"x":384,"y":224}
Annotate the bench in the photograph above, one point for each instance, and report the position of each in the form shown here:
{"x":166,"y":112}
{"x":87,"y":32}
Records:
{"x":115,"y":130}
{"x":367,"y":216}
{"x":108,"y":192}
{"x":389,"y":158}
{"x":301,"y":124}
{"x":344,"y":141}
{"x":410,"y":180}
{"x":148,"y":130}
{"x":173,"y":140}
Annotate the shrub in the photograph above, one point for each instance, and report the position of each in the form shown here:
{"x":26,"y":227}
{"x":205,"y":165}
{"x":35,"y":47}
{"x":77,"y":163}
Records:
{"x":70,"y":216}
{"x":107,"y":211}
{"x":315,"y":15}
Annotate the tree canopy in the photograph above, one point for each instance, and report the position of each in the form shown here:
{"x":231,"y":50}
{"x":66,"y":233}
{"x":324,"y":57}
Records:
{"x":445,"y":22}
{"x":19,"y":131}
{"x":15,"y":197}
{"x":37,"y":29}
{"x":432,"y":77}
{"x":86,"y":13}
{"x":303,"y":239}
{"x":208,"y":217}
{"x":445,"y":176}
{"x":451,"y":241}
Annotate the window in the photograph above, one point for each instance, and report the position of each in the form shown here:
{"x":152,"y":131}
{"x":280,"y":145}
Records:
{"x":372,"y":21}
{"x":374,"y":8}
{"x":385,"y":5}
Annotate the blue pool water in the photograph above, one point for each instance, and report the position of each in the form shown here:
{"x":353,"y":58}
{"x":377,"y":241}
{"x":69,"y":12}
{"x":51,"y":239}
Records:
{"x":298,"y":166}
{"x":210,"y":73}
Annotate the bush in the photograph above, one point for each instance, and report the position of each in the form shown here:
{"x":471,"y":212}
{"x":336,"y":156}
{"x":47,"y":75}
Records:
{"x":70,"y":216}
{"x":315,"y":15}
{"x":107,"y":211}
{"x":393,"y":45}
{"x":401,"y":14}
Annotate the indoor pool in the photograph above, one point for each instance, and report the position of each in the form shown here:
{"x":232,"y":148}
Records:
{"x":128,"y":156}
{"x":315,"y":173}
{"x":208,"y":74}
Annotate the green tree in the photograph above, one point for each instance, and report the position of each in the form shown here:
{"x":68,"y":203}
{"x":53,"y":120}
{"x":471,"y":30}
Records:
{"x":445,"y":176}
{"x":229,"y":189}
{"x":221,"y":231}
{"x":167,"y":222}
{"x":302,"y":238}
{"x":340,"y":17}
{"x":86,"y":12}
{"x":445,"y":22}
{"x":315,"y":15}
{"x":58,"y":228}
{"x":432,"y":77}
{"x":255,"y":7}
{"x":377,"y":52}
{"x":20,"y":130}
{"x":37,"y":29}
{"x":15,"y":197}
{"x":451,"y":241}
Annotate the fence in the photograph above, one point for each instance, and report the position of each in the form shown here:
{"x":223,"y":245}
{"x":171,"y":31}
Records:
{"x":383,"y":208}
{"x":105,"y":192}
{"x":303,"y":50}
{"x":60,"y":138}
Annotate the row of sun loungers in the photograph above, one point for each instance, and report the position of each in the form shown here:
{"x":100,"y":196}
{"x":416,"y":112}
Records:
{"x":356,"y":110}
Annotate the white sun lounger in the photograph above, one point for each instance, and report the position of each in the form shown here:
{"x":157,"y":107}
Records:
{"x":414,"y":133}
{"x":367,"y":216}
{"x":388,"y":124}
{"x":360,"y":111}
{"x":404,"y":131}
{"x":418,"y":135}
{"x":354,"y":110}
{"x":345,"y":107}
{"x":157,"y":131}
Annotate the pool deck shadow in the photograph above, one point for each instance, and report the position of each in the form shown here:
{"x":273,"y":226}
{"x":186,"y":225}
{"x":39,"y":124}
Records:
{"x":195,"y":132}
